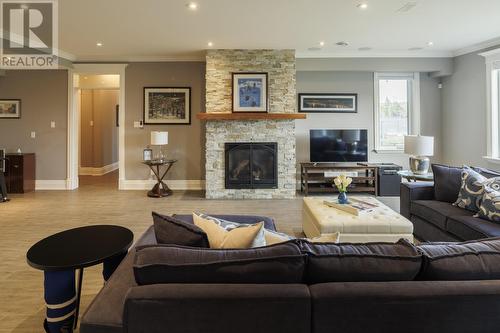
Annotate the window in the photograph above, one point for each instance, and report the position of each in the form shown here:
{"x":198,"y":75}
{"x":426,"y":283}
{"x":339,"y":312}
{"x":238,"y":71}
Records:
{"x":396,"y":109}
{"x":493,"y":104}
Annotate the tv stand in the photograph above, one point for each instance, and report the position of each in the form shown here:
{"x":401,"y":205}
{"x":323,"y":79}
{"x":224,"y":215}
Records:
{"x":314,"y":179}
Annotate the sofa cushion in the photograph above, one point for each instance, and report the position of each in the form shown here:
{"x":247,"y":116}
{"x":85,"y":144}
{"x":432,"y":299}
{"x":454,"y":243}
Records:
{"x":447,"y":182}
{"x":169,"y":230}
{"x":472,"y":260}
{"x":471,"y":191}
{"x":248,"y":219}
{"x":329,"y":262}
{"x":281,"y":263}
{"x":228,"y":235}
{"x":470,"y":228}
{"x":436,"y":212}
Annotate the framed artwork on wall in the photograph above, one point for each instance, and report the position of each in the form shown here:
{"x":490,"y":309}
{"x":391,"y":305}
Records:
{"x":167,"y":106}
{"x":10,"y":108}
{"x":328,"y":103}
{"x":250,"y":92}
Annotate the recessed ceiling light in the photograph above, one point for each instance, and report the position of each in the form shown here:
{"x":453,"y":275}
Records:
{"x":362,"y":5}
{"x":342,"y":43}
{"x":365,"y":48}
{"x":192,"y":6}
{"x":210,"y":44}
{"x":415,"y":48}
{"x":430,"y":43}
{"x":321,"y":43}
{"x":99,"y":44}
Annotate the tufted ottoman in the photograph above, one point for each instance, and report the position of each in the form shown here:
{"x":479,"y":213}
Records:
{"x":379,"y":225}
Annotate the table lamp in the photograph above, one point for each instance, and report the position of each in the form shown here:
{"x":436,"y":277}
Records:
{"x":419,"y":147}
{"x":159,"y":139}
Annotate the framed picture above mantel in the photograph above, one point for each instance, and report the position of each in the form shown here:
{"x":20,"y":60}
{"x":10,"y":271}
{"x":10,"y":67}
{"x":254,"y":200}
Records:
{"x":250,"y":92}
{"x":167,"y":105}
{"x":328,"y":103}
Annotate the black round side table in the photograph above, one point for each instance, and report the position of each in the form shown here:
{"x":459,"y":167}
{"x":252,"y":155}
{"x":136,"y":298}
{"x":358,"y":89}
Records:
{"x":78,"y":248}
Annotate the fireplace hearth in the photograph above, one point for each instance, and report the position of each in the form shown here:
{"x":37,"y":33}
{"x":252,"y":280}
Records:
{"x":251,"y":165}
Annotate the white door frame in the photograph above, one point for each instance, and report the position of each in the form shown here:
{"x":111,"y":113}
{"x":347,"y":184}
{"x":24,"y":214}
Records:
{"x":74,"y":120}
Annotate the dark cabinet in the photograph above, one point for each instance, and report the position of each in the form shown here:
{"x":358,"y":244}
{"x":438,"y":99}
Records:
{"x":20,"y":174}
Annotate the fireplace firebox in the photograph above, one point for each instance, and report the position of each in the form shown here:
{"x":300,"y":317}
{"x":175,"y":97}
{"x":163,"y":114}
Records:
{"x":251,"y":165}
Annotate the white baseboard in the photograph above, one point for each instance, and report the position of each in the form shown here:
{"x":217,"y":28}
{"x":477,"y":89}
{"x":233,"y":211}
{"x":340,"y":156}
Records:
{"x":178,"y":184}
{"x":87,"y":171}
{"x":41,"y":185}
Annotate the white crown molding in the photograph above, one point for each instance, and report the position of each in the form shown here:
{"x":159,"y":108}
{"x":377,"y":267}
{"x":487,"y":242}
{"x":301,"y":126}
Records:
{"x":375,"y":54}
{"x":174,"y":184}
{"x":43,"y":185}
{"x":477,"y":47}
{"x":198,"y":58}
{"x":87,"y":171}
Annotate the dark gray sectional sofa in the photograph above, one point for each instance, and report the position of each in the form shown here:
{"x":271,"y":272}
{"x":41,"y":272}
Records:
{"x":301,"y":287}
{"x":430,"y":207}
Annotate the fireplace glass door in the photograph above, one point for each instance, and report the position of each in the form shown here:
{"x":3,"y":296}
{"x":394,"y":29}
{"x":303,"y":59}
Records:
{"x":251,"y":165}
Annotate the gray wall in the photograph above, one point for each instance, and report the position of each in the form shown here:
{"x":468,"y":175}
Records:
{"x":362,"y":84}
{"x":186,"y":142}
{"x":44,"y":98}
{"x":465,"y":112}
{"x":99,"y":143}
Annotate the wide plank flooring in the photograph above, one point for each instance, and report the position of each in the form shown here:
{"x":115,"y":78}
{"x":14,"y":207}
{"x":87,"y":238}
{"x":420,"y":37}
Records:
{"x":31,"y":217}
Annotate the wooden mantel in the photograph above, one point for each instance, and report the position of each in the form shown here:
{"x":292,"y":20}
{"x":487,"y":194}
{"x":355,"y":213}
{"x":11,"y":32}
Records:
{"x":250,"y":116}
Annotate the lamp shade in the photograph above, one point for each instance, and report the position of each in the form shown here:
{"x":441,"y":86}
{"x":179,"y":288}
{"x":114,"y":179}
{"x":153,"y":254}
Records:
{"x":418,"y":145}
{"x":159,"y":138}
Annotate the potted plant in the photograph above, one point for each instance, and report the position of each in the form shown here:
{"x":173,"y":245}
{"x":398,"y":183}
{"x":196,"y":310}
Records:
{"x":342,"y":182}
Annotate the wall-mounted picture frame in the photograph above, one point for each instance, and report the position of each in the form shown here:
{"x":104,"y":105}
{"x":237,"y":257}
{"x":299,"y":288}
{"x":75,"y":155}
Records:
{"x":167,"y":105}
{"x":10,"y":108}
{"x":328,"y":103}
{"x":250,"y":92}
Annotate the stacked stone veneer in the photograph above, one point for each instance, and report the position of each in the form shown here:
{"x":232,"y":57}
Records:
{"x":280,"y":66}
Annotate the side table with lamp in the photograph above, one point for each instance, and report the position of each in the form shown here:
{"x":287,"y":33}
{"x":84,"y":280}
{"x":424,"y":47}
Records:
{"x":419,"y":147}
{"x":159,"y":160}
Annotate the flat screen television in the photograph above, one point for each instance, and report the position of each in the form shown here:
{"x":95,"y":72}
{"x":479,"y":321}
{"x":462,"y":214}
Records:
{"x":338,"y":145}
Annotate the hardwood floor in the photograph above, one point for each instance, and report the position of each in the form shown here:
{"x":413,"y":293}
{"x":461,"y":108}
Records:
{"x":31,"y":217}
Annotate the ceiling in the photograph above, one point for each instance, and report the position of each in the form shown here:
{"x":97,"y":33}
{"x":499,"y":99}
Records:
{"x":148,"y":30}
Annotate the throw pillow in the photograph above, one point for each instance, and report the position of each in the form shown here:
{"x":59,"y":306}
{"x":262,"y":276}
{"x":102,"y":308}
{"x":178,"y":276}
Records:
{"x":169,"y":230}
{"x":222,"y":235}
{"x":471,"y":191}
{"x":490,"y":203}
{"x":447,"y":182}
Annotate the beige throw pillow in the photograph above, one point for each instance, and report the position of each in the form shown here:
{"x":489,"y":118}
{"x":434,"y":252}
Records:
{"x":219,"y":238}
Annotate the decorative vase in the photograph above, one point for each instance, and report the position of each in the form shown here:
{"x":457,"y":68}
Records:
{"x":343,"y":198}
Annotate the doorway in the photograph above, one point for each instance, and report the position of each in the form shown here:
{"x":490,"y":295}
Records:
{"x":96,"y":97}
{"x":99,"y":108}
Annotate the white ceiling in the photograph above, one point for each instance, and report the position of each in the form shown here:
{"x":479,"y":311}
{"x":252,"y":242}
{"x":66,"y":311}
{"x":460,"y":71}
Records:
{"x":167,"y":29}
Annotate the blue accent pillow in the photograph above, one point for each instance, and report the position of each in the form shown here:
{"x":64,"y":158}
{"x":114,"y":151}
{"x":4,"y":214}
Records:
{"x":471,"y":190}
{"x":490,"y":204}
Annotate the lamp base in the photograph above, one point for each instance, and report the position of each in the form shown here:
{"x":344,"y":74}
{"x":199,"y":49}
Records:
{"x":419,"y":165}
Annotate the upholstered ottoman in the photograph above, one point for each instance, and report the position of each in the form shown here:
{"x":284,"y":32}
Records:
{"x":382,"y":224}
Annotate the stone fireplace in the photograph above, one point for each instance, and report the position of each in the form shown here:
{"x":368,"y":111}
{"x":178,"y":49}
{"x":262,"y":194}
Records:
{"x":247,"y":157}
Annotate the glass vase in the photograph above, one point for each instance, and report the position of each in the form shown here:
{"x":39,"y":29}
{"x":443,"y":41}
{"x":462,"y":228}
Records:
{"x":343,"y":198}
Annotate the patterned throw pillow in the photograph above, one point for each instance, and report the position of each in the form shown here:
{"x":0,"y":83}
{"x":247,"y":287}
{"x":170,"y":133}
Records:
{"x":490,"y":204}
{"x":471,"y":191}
